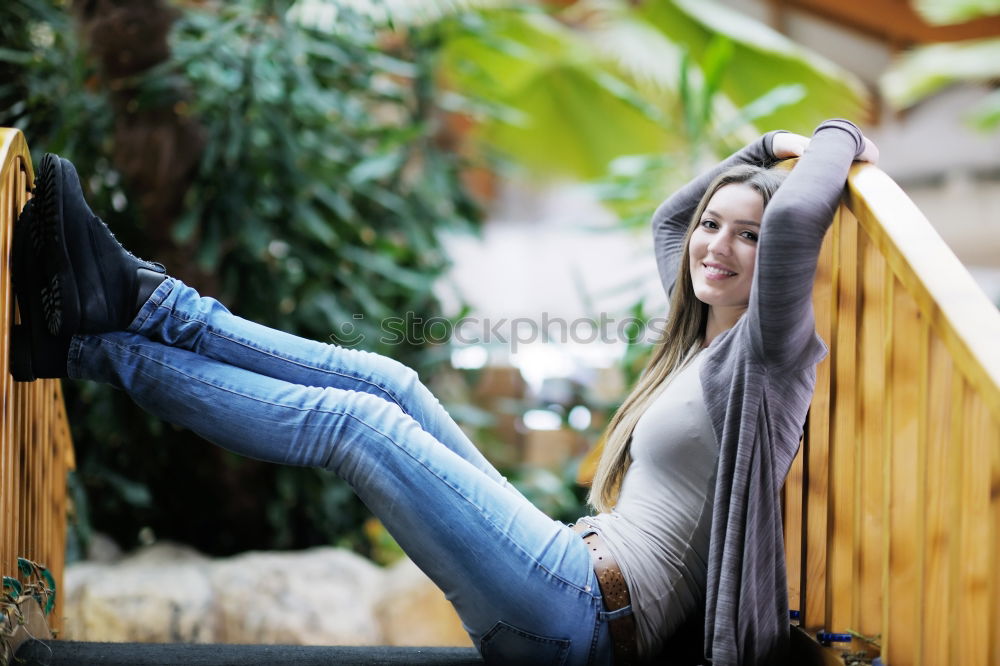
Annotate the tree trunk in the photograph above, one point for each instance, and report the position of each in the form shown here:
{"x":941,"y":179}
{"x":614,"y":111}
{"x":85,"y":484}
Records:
{"x":157,"y":146}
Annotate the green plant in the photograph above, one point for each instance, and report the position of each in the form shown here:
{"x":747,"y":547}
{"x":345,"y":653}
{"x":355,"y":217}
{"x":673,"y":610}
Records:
{"x":39,"y":586}
{"x":565,"y":92}
{"x":316,"y":186}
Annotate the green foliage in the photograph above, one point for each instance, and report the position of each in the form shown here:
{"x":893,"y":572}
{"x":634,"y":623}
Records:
{"x":759,"y":60}
{"x":634,"y":185}
{"x":543,"y":95}
{"x":568,"y":92}
{"x":321,"y":183}
{"x":313,"y":209}
{"x":39,"y":585}
{"x":44,"y":79}
{"x":944,"y":12}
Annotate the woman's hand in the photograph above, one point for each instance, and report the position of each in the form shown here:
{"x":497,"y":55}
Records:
{"x":785,"y":145}
{"x":869,"y":153}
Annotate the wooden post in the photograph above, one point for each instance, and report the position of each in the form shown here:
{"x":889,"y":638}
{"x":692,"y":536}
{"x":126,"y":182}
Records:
{"x":35,"y":447}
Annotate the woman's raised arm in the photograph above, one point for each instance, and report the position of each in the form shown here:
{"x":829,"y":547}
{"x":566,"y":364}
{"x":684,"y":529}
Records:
{"x":781,"y":317}
{"x":671,"y":219}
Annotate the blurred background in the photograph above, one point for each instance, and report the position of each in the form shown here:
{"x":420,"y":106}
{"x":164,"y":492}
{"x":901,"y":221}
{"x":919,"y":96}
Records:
{"x":463,"y":185}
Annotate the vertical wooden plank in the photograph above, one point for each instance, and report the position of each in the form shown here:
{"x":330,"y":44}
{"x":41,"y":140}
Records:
{"x":813,"y":581}
{"x":793,"y":530}
{"x":6,"y":292}
{"x":7,"y":509}
{"x":872,"y":427}
{"x":903,"y":599}
{"x":921,"y":380}
{"x":973,"y":611}
{"x":993,"y":436}
{"x":840,"y":544}
{"x":62,"y":450}
{"x":886,"y":467}
{"x":8,"y":386}
{"x":957,"y":453}
{"x":7,"y":513}
{"x":937,"y":542}
{"x":18,"y":446}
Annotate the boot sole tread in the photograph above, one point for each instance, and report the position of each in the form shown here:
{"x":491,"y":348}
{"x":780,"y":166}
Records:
{"x":58,"y":286}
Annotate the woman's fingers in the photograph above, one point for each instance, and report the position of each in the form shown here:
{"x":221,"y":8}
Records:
{"x":869,"y":153}
{"x":786,"y":145}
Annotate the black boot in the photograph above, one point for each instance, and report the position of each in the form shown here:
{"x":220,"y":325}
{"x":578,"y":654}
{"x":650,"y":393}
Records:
{"x":90,"y":283}
{"x":34,"y":352}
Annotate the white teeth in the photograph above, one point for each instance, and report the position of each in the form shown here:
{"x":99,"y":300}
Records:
{"x":717,"y":271}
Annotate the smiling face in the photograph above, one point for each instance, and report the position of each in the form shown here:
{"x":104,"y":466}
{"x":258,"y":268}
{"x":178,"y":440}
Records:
{"x":722,"y":251}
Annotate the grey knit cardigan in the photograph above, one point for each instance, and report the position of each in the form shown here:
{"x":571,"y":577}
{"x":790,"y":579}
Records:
{"x":758,"y":380}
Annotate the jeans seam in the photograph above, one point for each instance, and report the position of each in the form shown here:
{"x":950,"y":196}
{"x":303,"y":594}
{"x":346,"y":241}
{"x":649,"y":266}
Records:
{"x":299,"y":362}
{"x":597,"y":633}
{"x":486,"y":517}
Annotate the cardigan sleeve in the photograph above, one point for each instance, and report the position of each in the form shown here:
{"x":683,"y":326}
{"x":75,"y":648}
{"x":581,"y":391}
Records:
{"x":780,"y":316}
{"x":673,"y":216}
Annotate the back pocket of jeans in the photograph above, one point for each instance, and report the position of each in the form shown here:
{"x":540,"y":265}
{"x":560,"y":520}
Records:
{"x":506,"y":644}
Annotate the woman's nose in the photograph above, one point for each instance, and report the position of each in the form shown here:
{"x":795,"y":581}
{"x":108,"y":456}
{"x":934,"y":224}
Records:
{"x":720,"y":244}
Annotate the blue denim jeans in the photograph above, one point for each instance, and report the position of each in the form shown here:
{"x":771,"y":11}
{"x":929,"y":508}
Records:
{"x":522,"y":583}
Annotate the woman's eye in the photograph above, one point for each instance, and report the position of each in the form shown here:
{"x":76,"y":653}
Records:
{"x":709,"y":224}
{"x":749,"y":235}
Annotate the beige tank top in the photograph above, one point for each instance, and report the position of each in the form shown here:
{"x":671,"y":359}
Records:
{"x":659,"y":530}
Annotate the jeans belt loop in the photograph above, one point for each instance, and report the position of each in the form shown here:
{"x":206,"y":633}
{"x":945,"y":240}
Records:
{"x":615,"y":594}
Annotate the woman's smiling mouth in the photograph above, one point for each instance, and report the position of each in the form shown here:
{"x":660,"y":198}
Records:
{"x":716,"y":272}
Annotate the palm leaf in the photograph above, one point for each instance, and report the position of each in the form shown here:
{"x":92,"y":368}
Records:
{"x":575,"y":112}
{"x":928,"y":69}
{"x":762,"y":59}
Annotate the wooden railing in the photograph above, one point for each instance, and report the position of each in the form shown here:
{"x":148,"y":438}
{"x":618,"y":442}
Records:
{"x":892,"y":508}
{"x":35,"y":447}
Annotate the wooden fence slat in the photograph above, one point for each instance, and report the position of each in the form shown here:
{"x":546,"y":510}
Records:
{"x":902,"y":601}
{"x":957,"y":445}
{"x":871,"y":427}
{"x":973,"y":614}
{"x":994,"y":593}
{"x":937,"y":536}
{"x":816,"y":467}
{"x":793,"y":531}
{"x":840,"y":544}
{"x":922,"y":344}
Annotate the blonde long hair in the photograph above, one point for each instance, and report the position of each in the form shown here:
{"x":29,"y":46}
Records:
{"x":685,"y":327}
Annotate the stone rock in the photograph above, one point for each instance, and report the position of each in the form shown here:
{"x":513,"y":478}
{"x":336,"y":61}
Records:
{"x":322,"y":596}
{"x":414,"y":611}
{"x":162,"y":594}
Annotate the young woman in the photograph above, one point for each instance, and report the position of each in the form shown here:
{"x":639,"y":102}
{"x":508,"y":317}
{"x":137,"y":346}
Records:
{"x":688,"y":486}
